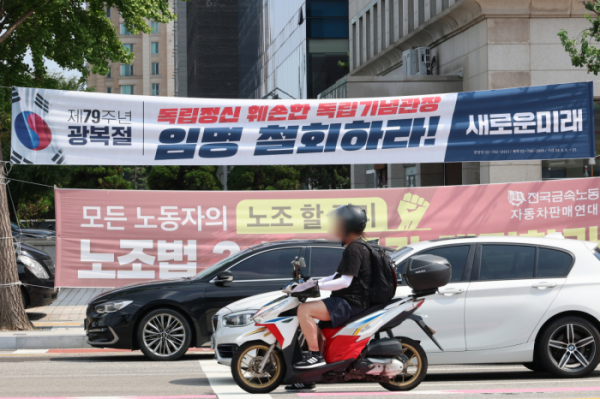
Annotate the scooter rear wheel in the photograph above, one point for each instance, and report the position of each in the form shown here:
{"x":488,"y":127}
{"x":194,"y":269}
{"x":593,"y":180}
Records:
{"x":246,"y":363}
{"x":414,"y":371}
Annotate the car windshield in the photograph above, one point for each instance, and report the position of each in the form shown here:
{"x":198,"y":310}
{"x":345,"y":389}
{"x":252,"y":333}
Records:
{"x":14,"y":226}
{"x":216,"y":266}
{"x":399,"y":254}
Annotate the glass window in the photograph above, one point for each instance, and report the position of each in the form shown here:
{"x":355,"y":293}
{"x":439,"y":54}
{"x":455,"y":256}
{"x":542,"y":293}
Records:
{"x":552,"y":263}
{"x":128,"y":47}
{"x":155,"y":69}
{"x":109,"y":89}
{"x":331,"y":8}
{"x":126,"y":70}
{"x":124,"y":30}
{"x":267,"y":265}
{"x":324,"y":261}
{"x":128,"y":89}
{"x":154,"y":47}
{"x":109,"y":76}
{"x":457,"y":256}
{"x":506,"y":262}
{"x":154,"y":26}
{"x":108,"y":12}
{"x":155,"y":89}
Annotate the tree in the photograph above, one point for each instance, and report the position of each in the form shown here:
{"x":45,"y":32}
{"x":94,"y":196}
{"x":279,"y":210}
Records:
{"x":12,"y":312}
{"x":184,"y":178}
{"x":99,"y":177}
{"x":582,"y":49}
{"x":264,"y":178}
{"x":325,"y":177}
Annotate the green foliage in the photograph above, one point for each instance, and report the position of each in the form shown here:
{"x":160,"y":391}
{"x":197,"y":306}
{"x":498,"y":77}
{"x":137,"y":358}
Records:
{"x":137,"y":176}
{"x":582,"y":49}
{"x":33,"y":211}
{"x":345,"y":64}
{"x":264,"y":178}
{"x":73,"y":33}
{"x":325,"y":177}
{"x":184,"y":178}
{"x":98,"y":177}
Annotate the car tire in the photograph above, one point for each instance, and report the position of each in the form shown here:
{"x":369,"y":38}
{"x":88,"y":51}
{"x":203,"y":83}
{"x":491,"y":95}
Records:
{"x":569,"y":347}
{"x":164,"y":334}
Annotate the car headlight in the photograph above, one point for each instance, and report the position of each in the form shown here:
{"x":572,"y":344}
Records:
{"x":111,"y":307}
{"x":238,"y":319}
{"x":34,"y":266}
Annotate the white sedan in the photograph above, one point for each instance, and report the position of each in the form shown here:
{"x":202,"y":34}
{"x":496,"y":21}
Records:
{"x":534,"y":301}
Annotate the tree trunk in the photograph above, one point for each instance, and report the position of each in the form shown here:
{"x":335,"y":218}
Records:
{"x":12,"y":311}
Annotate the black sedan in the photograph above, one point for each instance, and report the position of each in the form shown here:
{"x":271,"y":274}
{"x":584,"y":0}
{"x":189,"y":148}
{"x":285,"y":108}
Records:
{"x":36,"y":272}
{"x":165,"y":318}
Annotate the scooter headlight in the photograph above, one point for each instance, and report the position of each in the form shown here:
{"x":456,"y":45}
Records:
{"x":238,"y":319}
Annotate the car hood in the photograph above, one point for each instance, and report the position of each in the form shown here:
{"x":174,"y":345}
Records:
{"x":34,"y":252}
{"x":253,"y":302}
{"x":133,"y":288}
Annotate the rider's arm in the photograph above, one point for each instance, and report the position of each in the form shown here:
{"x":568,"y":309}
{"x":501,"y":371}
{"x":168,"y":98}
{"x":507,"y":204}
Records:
{"x":335,"y":283}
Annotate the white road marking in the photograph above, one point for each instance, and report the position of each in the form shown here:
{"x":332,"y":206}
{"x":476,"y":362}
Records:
{"x":29,"y":351}
{"x":222,"y":383}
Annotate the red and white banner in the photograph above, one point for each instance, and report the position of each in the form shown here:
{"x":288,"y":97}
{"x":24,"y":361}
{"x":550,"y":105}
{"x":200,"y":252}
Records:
{"x":113,"y":238}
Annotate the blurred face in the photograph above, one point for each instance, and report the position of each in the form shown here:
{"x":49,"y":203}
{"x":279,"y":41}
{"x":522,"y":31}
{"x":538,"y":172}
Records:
{"x":336,"y":228}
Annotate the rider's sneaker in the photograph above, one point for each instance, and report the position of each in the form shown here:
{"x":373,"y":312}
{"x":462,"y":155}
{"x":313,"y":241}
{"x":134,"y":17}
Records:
{"x":300,"y":387}
{"x":310,"y":360}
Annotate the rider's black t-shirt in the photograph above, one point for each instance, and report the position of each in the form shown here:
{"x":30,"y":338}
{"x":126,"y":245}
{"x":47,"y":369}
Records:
{"x":356,"y":262}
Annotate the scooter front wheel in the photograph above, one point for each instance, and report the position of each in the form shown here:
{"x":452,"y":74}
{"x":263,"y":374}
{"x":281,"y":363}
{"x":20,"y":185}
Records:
{"x":415,"y":367}
{"x":246,"y":368}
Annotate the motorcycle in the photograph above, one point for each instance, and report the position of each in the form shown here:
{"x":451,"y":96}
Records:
{"x":363,"y":349}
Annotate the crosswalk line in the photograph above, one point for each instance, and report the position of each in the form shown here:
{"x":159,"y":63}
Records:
{"x":222,"y":383}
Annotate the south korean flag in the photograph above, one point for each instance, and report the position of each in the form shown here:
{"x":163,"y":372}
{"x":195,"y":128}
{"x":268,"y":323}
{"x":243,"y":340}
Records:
{"x":32,"y":136}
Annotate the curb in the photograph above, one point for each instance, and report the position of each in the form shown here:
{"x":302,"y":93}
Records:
{"x":43,"y":340}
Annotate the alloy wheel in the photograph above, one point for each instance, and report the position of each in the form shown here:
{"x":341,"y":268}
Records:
{"x":164,"y":335}
{"x":249,"y":363}
{"x":572,"y":347}
{"x":413,"y":364}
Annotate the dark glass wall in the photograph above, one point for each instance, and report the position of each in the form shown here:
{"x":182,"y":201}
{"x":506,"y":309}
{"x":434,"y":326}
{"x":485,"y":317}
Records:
{"x":212,"y":44}
{"x":249,"y":39}
{"x":327,"y":31}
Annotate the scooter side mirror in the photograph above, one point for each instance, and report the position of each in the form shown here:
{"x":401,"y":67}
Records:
{"x":301,"y":263}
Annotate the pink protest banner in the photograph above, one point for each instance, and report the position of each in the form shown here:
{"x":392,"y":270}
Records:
{"x":113,"y":238}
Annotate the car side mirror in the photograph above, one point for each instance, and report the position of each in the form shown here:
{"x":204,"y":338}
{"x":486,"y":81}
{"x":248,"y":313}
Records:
{"x":224,"y":277}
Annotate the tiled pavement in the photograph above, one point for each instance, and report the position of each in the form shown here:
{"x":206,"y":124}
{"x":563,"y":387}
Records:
{"x":68,"y":310}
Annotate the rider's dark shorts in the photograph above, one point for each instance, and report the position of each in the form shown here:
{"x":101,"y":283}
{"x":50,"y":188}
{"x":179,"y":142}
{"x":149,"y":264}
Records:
{"x":339,"y":311}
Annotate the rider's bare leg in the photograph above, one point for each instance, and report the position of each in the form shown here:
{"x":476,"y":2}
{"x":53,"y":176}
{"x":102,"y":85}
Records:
{"x":307,"y":313}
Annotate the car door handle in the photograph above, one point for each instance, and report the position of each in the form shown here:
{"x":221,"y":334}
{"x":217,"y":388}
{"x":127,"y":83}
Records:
{"x":451,"y":291}
{"x":542,"y":285}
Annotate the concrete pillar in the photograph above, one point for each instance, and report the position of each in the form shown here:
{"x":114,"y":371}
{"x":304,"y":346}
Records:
{"x":428,"y":9}
{"x":406,"y":16}
{"x":470,"y":173}
{"x":396,"y":175}
{"x":145,"y":65}
{"x":358,"y":175}
{"x":438,"y":6}
{"x":508,"y":172}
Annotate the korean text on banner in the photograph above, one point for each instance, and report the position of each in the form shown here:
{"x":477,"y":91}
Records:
{"x":76,"y":128}
{"x":113,"y":238}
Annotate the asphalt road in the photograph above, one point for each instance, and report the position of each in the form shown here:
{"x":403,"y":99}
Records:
{"x":35,"y":374}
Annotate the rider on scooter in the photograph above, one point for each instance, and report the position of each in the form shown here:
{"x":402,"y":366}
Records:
{"x":349,"y":297}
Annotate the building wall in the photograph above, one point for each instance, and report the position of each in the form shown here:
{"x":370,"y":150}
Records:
{"x":142,"y":78}
{"x":212,"y":41}
{"x":490,"y":44}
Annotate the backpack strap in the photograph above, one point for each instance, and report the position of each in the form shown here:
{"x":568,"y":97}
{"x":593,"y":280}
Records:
{"x":361,"y":281}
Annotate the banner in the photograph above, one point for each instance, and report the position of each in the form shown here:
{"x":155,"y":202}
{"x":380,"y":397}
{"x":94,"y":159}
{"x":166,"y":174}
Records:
{"x":78,"y":128}
{"x":113,"y":238}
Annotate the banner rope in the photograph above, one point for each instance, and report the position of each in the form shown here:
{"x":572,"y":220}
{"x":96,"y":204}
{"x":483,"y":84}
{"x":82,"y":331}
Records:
{"x":21,"y":283}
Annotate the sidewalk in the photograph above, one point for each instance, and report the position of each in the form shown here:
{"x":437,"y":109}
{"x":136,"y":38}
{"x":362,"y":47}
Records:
{"x":67,"y":311}
{"x":58,"y":326}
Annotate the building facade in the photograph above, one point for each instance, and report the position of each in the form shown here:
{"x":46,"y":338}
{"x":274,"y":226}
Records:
{"x":475,"y":45}
{"x":152,"y":71}
{"x":291,"y":48}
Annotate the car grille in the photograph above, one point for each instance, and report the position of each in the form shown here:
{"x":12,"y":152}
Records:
{"x":215,"y":322}
{"x":50,"y":265}
{"x":226,"y":351}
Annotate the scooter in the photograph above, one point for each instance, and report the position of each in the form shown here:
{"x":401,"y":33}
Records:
{"x":363,"y":349}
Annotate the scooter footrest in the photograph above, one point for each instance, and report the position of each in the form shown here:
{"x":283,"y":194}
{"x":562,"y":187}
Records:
{"x":316,"y":374}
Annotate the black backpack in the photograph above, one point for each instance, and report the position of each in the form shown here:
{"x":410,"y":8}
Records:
{"x":383,"y":276}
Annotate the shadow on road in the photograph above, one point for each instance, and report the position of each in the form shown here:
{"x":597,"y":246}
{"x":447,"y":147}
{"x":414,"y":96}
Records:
{"x":35,"y":316}
{"x":190,"y":382}
{"x":495,"y":375}
{"x":133,"y":357}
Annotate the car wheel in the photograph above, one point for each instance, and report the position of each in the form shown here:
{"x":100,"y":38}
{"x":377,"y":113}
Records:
{"x":569,"y":347}
{"x":164,"y":334}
